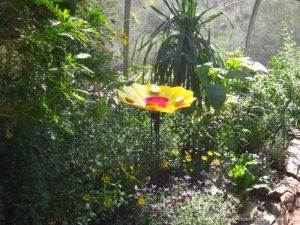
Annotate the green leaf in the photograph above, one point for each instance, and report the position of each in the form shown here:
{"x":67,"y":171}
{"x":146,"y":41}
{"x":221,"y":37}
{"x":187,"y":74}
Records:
{"x":246,"y":63}
{"x":78,"y":97}
{"x":253,"y":66}
{"x":202,"y":72}
{"x":216,"y":95}
{"x":67,"y":35}
{"x":238,"y":74}
{"x":83,"y":56}
{"x":260,"y":186}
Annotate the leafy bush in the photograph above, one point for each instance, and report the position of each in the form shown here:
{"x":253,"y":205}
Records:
{"x":46,"y":98}
{"x":248,"y":171}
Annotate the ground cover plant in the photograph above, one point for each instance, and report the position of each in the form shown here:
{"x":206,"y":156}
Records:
{"x":72,"y":153}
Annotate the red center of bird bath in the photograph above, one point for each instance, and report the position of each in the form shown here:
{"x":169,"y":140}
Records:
{"x":157,"y":100}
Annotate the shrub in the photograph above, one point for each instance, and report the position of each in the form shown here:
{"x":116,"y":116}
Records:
{"x":47,"y":110}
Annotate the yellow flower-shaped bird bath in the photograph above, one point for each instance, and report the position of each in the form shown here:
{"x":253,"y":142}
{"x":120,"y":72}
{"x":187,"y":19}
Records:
{"x":156,"y":99}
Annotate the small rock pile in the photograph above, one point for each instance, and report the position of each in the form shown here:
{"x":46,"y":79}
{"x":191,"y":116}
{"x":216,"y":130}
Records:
{"x":283,"y":207}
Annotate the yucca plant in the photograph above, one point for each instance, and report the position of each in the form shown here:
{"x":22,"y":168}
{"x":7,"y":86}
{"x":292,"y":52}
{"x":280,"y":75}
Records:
{"x":184,"y":43}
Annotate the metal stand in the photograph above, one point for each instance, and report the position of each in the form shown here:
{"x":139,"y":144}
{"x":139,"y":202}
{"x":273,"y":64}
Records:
{"x":155,"y":125}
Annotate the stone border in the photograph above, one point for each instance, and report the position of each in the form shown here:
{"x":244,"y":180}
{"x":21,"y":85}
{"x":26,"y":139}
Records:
{"x":283,"y":205}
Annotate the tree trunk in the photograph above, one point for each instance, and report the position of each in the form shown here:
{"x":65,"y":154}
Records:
{"x":126,"y":30}
{"x":251,"y":23}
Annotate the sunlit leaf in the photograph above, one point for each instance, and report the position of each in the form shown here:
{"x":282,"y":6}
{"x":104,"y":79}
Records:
{"x":133,"y":16}
{"x":238,"y":74}
{"x":150,"y":2}
{"x":78,"y":97}
{"x":82,"y":56}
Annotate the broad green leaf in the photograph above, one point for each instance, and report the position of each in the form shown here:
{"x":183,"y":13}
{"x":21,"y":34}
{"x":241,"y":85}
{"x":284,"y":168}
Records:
{"x":216,"y":95}
{"x":203,"y":71}
{"x":253,"y":66}
{"x":238,"y":74}
{"x":248,"y":63}
{"x":234,"y":62}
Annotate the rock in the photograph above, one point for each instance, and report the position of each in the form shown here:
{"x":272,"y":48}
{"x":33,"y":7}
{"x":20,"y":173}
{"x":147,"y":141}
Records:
{"x":293,"y":161}
{"x":298,"y":188}
{"x":295,"y":218}
{"x":283,"y":219}
{"x":290,"y":206}
{"x":287,"y":197}
{"x":296,"y":143}
{"x":274,"y":208}
{"x":288,"y":184}
{"x":266,"y":219}
{"x":297,"y":202}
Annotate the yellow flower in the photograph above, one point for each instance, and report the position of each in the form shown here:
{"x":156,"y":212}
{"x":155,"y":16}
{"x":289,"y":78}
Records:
{"x":105,"y":179}
{"x":204,"y":157}
{"x":141,"y":201}
{"x":156,"y":98}
{"x":164,"y":164}
{"x":191,"y":170}
{"x":8,"y":134}
{"x":131,"y":168}
{"x":210,"y":153}
{"x":124,"y":37}
{"x":114,"y":33}
{"x":93,"y":170}
{"x":175,"y":152}
{"x":99,"y":44}
{"x":217,"y":162}
{"x":132,"y":14}
{"x":125,"y":40}
{"x":184,"y":161}
{"x":150,"y":2}
{"x":122,"y":167}
{"x":87,"y":197}
{"x":188,"y":157}
{"x":148,"y":178}
{"x":132,"y":177}
{"x":107,"y":202}
{"x":217,"y":154}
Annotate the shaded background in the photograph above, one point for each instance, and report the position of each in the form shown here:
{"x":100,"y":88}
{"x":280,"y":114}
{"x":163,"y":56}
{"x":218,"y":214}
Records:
{"x":274,"y":18}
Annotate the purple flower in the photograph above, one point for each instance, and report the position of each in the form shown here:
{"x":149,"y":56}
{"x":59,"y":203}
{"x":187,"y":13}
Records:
{"x":187,"y":177}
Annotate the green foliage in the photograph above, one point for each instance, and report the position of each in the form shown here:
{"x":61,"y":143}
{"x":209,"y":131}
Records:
{"x":247,"y":171}
{"x":67,"y":158}
{"x":183,"y":204}
{"x":184,"y":43}
{"x":48,"y":110}
{"x":214,"y":80}
{"x":285,"y":65}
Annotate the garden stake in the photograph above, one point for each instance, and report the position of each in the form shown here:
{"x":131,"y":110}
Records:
{"x":155,"y":116}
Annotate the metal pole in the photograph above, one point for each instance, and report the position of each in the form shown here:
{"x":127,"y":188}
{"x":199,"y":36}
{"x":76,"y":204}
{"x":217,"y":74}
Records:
{"x":251,"y":23}
{"x":126,"y":31}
